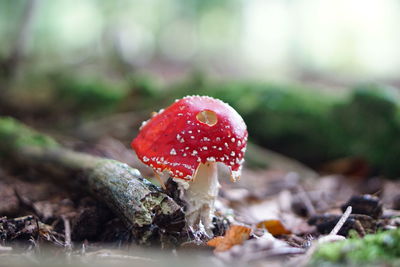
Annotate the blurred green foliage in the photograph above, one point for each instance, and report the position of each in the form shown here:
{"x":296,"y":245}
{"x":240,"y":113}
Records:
{"x":119,"y":38}
{"x":370,"y":126}
{"x":378,"y":249}
{"x":90,"y":96}
{"x":299,"y":122}
{"x":86,"y":95}
{"x":290,"y":119}
{"x":143,"y":92}
{"x":310,"y":126}
{"x":285,"y":118}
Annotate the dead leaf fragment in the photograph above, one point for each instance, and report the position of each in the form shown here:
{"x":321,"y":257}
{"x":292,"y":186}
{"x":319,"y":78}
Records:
{"x":274,"y":227}
{"x":235,"y":235}
{"x":215,"y":241}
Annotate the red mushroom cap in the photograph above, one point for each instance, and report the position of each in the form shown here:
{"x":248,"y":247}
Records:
{"x":192,"y":130}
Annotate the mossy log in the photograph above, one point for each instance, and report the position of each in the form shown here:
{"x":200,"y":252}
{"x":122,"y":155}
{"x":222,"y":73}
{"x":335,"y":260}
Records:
{"x":141,"y":205}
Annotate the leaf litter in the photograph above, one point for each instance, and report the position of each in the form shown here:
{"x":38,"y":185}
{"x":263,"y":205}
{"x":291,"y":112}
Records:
{"x":271,"y":216}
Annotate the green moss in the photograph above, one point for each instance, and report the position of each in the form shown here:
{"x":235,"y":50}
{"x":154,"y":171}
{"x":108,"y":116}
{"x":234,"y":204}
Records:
{"x":379,"y":248}
{"x":87,"y":95}
{"x":14,"y":135}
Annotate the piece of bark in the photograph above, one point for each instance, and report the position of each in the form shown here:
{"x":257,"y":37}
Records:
{"x":141,"y":205}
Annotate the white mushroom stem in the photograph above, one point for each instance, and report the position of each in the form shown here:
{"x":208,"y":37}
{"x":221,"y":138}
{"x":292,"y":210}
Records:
{"x":200,"y":195}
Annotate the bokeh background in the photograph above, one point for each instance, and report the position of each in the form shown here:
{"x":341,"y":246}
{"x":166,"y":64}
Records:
{"x":332,"y":41}
{"x":314,"y":80}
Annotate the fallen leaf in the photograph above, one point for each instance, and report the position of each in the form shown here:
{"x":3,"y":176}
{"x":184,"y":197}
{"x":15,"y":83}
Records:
{"x":215,"y":241}
{"x":235,"y":235}
{"x":274,"y":227}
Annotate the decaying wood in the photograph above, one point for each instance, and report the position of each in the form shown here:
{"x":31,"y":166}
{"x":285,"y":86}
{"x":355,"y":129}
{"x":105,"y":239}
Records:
{"x":141,"y":205}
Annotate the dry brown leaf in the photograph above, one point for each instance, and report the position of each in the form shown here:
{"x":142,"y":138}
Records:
{"x":235,"y":235}
{"x":215,"y":241}
{"x":274,"y":227}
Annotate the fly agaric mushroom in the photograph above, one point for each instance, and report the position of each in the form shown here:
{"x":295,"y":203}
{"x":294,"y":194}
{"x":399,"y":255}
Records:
{"x":187,"y":139}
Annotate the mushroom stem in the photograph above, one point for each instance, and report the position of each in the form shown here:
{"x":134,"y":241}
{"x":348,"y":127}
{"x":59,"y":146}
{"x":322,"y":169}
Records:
{"x":200,"y":195}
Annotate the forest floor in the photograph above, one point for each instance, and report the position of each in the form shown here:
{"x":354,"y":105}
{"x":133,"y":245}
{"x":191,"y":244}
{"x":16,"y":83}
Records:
{"x":282,"y":214}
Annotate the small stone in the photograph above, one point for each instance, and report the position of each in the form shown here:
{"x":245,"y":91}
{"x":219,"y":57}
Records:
{"x":365,"y":204}
{"x":299,"y":208}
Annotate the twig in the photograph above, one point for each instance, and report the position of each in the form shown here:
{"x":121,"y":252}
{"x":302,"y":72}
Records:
{"x":306,"y":199}
{"x":341,"y":221}
{"x":37,"y":229}
{"x":83,"y":249}
{"x":67,"y":231}
{"x":360,"y":228}
{"x":305,"y":259}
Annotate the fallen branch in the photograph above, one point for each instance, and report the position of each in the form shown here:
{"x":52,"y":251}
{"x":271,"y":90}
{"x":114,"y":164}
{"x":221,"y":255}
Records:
{"x":140,"y":204}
